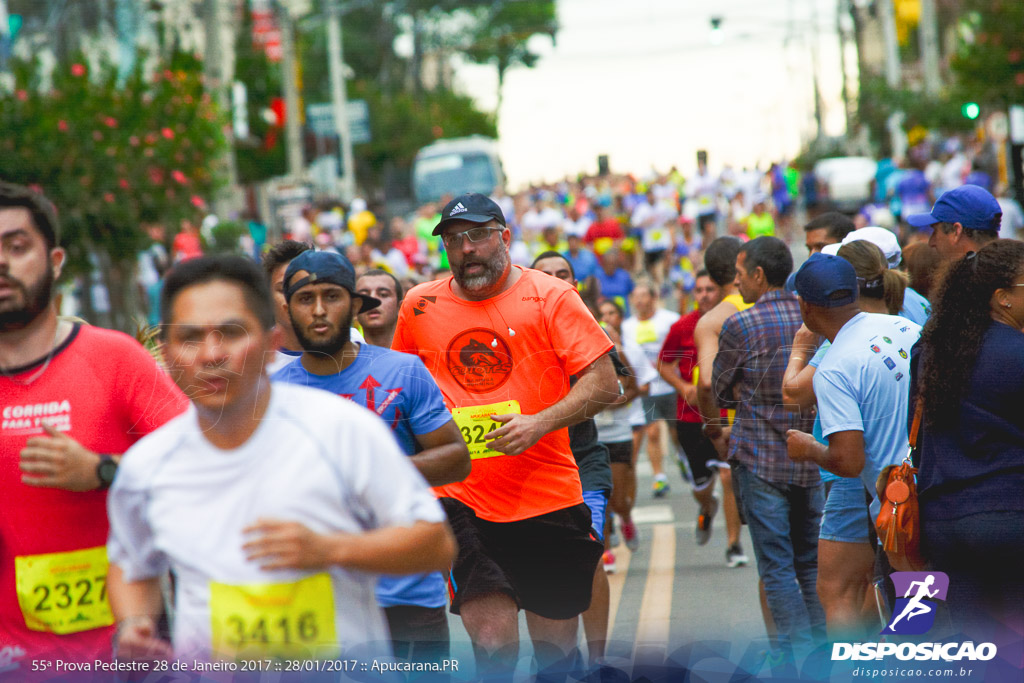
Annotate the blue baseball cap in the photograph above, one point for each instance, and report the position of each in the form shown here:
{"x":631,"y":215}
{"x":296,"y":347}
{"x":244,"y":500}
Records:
{"x":969,"y":205}
{"x":325,"y":266}
{"x":827,"y":281}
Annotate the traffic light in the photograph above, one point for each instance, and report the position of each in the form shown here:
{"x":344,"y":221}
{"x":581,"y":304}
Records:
{"x":970,"y":110}
{"x":716,"y":31}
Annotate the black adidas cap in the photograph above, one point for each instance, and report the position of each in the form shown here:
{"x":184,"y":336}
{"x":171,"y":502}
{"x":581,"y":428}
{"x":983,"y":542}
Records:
{"x":472,"y":207}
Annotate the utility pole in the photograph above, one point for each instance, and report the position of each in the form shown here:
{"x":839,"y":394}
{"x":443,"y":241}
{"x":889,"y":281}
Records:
{"x":218,"y":69}
{"x":842,"y":16}
{"x":929,"y":34}
{"x":815,"y":68}
{"x":339,"y":99}
{"x":892,"y":76}
{"x":292,"y":124}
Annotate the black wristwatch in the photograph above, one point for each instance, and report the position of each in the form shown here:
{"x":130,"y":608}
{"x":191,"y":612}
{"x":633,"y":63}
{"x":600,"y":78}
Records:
{"x":105,"y":471}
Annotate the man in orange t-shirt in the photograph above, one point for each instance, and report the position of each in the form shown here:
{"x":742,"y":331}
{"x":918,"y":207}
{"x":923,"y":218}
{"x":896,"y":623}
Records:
{"x":502,"y":341}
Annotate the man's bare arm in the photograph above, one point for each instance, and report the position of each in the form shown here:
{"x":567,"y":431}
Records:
{"x":843,"y":456}
{"x":596,"y":388}
{"x":444,"y":458}
{"x":705,"y":337}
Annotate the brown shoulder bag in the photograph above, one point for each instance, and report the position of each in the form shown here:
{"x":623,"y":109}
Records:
{"x":899,"y":520}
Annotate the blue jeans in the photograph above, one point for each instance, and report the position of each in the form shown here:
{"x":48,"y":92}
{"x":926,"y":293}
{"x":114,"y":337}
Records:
{"x":784,"y":524}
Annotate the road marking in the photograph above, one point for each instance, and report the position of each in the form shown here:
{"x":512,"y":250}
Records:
{"x":616,"y":581}
{"x":653,"y":514}
{"x":656,"y":606}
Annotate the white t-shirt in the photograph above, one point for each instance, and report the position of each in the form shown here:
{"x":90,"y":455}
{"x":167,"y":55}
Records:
{"x":655,"y":221}
{"x":649,"y":335}
{"x":534,"y":221}
{"x":617,"y":424}
{"x":576,"y":227}
{"x":703,"y":188}
{"x":180,"y":503}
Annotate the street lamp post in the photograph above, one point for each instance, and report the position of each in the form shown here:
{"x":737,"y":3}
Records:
{"x":339,"y":99}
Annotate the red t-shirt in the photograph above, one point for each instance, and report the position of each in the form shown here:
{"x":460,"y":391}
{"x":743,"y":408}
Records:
{"x":185,"y":246}
{"x":679,"y":346}
{"x":468,"y":347}
{"x":105,"y":391}
{"x":606,"y":228}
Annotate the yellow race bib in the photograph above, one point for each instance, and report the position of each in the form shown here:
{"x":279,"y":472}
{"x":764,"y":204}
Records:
{"x":292,"y":620}
{"x":64,"y":592}
{"x":475,"y":423}
{"x":646,"y":332}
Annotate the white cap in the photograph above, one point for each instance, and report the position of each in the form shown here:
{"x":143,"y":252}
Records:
{"x":883,"y":239}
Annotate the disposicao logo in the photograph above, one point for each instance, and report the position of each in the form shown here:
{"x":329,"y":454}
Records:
{"x":914,"y":614}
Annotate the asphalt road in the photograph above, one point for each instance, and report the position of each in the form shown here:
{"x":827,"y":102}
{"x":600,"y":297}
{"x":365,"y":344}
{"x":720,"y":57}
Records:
{"x":671,"y":594}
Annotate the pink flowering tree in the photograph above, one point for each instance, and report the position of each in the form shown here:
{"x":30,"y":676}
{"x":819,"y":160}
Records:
{"x":113,"y":159}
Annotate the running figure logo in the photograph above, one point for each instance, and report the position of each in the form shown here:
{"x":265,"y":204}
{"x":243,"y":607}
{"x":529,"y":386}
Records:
{"x":914,"y":613}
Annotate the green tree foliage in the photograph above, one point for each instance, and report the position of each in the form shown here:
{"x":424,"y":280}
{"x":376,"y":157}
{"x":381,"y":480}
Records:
{"x":877,"y":101}
{"x":403,"y":116}
{"x":401,"y":124}
{"x":989,"y":62}
{"x":112,"y":158}
{"x":503,"y":29}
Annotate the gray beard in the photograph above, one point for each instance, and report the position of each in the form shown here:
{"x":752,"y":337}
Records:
{"x":493,"y":271}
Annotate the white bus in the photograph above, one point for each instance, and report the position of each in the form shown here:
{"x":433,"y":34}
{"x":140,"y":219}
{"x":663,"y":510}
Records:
{"x":455,"y":166}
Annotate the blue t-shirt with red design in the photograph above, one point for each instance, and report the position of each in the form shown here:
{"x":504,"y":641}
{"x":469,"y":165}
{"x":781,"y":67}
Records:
{"x":399,"y":389}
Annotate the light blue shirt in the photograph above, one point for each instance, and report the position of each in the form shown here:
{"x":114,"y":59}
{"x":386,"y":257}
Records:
{"x":815,"y":361}
{"x":915,"y":307}
{"x":863,"y":384}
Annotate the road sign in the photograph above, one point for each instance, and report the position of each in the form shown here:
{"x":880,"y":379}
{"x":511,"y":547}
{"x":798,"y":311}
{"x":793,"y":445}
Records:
{"x":320,"y":118}
{"x":998,"y":126}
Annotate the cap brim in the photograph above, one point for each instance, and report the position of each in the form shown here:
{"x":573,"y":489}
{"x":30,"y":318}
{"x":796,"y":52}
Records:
{"x":791,"y":283}
{"x":470,"y":217}
{"x":922,"y":220}
{"x":369,"y":302}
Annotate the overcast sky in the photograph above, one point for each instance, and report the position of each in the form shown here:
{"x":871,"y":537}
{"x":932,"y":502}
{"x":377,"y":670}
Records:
{"x":639,"y":80}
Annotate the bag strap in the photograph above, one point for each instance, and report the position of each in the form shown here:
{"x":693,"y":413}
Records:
{"x":914,"y":428}
{"x":917,"y":422}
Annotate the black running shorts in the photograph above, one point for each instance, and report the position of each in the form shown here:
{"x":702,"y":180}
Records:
{"x":545,"y":564}
{"x":620,"y":452}
{"x":700,"y":452}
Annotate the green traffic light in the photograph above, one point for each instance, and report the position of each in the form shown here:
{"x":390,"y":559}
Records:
{"x":971,"y":110}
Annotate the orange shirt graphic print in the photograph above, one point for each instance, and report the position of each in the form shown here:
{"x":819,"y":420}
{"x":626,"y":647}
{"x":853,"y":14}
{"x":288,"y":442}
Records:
{"x":480,"y":360}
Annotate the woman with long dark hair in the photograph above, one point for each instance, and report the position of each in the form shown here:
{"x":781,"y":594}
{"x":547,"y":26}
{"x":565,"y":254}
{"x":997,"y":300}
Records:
{"x":971,"y":480}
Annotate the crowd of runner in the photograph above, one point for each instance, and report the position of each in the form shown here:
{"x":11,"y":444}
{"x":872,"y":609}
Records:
{"x":332,"y":448}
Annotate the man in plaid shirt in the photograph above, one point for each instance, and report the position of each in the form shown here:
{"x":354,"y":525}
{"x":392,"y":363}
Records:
{"x":782,"y":500}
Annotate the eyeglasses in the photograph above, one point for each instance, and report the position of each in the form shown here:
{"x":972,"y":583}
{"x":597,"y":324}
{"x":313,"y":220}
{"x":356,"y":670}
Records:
{"x":454,"y":239}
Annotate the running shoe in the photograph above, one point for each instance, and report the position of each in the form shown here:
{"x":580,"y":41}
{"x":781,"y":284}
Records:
{"x":660,"y":487}
{"x":735,"y":557}
{"x":631,"y":535}
{"x":609,"y":562}
{"x":704,"y":520}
